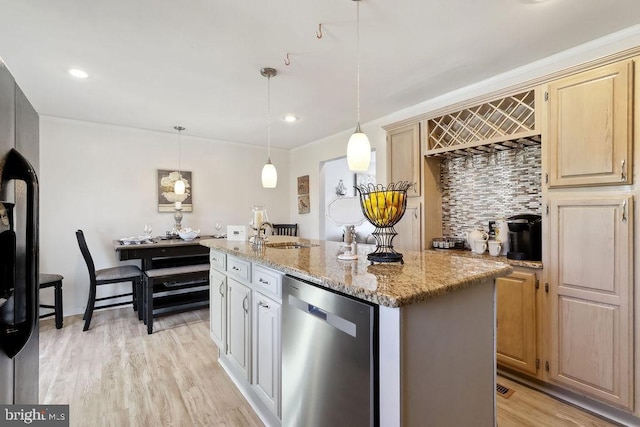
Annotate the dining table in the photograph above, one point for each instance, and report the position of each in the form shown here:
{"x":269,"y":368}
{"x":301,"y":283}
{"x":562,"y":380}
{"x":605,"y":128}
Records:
{"x":161,"y":251}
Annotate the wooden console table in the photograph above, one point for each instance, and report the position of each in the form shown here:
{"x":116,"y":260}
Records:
{"x":173,"y":260}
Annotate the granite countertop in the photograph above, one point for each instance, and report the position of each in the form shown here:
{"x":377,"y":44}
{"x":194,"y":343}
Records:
{"x":424,"y":275}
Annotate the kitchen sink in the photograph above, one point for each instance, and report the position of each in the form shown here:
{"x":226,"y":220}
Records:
{"x":289,"y":245}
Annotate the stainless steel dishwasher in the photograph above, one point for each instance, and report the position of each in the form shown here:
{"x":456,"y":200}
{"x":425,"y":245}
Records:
{"x":329,"y":358}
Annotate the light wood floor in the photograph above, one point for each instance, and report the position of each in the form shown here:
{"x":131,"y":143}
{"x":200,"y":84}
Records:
{"x":117,"y":375}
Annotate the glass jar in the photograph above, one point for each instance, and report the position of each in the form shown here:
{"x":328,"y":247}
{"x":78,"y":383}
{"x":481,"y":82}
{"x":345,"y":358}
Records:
{"x":258,"y":216}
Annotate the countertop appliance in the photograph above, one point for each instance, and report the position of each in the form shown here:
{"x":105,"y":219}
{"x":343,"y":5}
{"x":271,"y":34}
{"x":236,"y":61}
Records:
{"x":329,"y":358}
{"x":525,"y":237}
{"x":19,"y":157}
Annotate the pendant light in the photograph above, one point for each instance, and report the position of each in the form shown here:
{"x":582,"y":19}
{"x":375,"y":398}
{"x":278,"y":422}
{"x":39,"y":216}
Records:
{"x":358,"y":148}
{"x":179,"y":186}
{"x":269,"y":173}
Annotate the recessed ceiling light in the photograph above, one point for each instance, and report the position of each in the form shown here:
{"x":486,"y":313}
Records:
{"x":290,"y":118}
{"x":80,"y":74}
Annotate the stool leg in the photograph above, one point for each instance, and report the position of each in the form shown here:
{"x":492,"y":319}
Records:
{"x":140,"y":298}
{"x":149,"y":304}
{"x":58,"y":304}
{"x":134,"y":292}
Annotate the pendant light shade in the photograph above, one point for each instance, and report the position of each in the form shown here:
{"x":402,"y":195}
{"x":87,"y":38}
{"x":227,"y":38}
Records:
{"x":179,"y":186}
{"x":358,"y":148}
{"x":269,"y":173}
{"x":358,"y":151}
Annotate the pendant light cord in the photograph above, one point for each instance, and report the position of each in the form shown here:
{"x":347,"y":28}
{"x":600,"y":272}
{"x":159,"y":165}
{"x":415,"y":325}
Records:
{"x":180,"y":153}
{"x":179,"y":129}
{"x":358,"y":56}
{"x":269,"y":118}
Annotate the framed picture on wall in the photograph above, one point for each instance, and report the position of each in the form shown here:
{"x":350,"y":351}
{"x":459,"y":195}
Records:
{"x":167,"y":198}
{"x":303,"y":185}
{"x":303,"y":204}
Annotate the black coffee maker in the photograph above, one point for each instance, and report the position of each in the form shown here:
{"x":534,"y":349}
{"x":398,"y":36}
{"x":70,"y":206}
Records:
{"x":525,"y":237}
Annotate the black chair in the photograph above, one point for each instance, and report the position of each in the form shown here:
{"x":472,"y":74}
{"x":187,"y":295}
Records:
{"x":55,"y":281}
{"x":107,"y":276}
{"x":285,"y":229}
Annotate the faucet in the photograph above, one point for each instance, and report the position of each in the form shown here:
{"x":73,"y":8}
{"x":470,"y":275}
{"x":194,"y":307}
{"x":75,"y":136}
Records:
{"x":258,"y":239}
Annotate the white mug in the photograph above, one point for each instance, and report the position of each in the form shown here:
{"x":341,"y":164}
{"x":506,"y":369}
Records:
{"x":479,"y":246}
{"x":494,"y":247}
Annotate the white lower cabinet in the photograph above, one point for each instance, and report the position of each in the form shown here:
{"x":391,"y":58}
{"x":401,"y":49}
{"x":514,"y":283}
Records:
{"x":245,"y":325}
{"x":239,"y":326}
{"x":218,"y":308}
{"x":266,"y":350}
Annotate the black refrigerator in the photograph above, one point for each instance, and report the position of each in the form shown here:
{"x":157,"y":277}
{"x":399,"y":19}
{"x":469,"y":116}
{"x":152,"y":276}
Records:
{"x":19,"y":152}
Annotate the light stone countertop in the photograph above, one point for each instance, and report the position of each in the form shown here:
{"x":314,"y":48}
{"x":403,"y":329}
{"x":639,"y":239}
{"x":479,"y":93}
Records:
{"x":424,"y":275}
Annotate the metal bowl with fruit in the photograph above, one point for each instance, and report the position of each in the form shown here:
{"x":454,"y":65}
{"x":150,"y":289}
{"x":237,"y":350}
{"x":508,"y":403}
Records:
{"x":384,"y":207}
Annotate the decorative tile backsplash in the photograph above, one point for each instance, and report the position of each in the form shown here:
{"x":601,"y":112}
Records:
{"x":480,"y":188}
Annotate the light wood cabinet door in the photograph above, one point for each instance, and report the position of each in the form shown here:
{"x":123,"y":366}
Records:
{"x":516,"y":321}
{"x":403,"y":156}
{"x":591,"y":285}
{"x":409,"y":236}
{"x":218,"y":308}
{"x":266,"y":350}
{"x":590,"y":127}
{"x":239,"y":326}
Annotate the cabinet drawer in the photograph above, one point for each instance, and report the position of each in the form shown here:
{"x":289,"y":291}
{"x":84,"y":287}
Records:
{"x":239,"y":268}
{"x":267,"y":281}
{"x":218,"y":260}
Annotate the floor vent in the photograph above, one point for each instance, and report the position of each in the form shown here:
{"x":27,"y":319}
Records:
{"x":503,"y":391}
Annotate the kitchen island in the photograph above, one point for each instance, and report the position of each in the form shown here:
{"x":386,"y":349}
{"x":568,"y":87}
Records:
{"x":435,"y":324}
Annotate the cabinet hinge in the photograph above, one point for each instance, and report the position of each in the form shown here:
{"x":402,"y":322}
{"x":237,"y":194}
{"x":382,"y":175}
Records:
{"x":537,"y":284}
{"x":546,"y":96}
{"x":546,"y":366}
{"x":547,"y":209}
{"x":546,"y":287}
{"x":546,"y":178}
{"x":537,"y":364}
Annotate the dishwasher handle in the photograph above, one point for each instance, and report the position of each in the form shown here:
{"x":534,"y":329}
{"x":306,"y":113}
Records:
{"x":317,"y":311}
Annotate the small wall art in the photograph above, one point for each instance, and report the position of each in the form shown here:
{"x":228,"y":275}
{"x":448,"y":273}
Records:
{"x":304,"y":205}
{"x":167,"y":198}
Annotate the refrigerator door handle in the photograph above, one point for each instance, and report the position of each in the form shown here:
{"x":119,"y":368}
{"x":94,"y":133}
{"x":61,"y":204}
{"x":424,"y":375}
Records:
{"x":16,"y":328}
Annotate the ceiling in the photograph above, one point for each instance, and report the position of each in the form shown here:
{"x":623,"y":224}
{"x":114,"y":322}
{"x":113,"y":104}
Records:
{"x":154,"y":64}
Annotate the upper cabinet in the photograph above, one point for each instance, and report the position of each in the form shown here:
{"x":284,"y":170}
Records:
{"x":403,"y":156}
{"x":590,"y":127}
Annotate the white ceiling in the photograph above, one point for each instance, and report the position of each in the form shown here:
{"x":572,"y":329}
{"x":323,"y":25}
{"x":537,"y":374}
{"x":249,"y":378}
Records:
{"x":154,"y":64}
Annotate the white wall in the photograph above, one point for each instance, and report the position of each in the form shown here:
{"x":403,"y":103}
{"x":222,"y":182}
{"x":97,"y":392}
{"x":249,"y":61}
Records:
{"x":308,"y":160}
{"x":331,"y":172}
{"x":102,"y":179}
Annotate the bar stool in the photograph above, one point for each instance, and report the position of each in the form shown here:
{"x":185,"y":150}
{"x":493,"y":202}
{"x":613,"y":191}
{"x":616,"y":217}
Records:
{"x":53,"y":280}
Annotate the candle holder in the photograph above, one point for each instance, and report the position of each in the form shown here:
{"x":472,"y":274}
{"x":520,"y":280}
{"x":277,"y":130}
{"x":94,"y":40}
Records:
{"x":177,"y":216}
{"x":258,"y":216}
{"x":383,"y":208}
